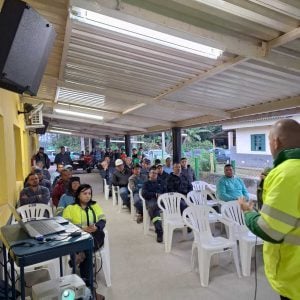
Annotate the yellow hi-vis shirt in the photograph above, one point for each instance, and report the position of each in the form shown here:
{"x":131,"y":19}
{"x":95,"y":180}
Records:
{"x":280,"y":219}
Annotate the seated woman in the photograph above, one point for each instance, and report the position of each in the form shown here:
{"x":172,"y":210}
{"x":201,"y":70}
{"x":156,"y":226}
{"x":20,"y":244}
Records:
{"x":89,"y":216}
{"x":69,"y":197}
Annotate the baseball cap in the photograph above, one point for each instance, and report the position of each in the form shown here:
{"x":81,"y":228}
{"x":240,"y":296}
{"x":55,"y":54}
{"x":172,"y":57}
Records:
{"x":68,"y":167}
{"x":118,"y":162}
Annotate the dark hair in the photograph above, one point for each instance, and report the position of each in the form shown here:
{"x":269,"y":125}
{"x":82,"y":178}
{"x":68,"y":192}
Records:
{"x":136,"y":166}
{"x":42,"y":148}
{"x":71,"y":180}
{"x":157,"y":161}
{"x":228,"y":165}
{"x":152,"y":168}
{"x":183,"y":158}
{"x":82,"y":188}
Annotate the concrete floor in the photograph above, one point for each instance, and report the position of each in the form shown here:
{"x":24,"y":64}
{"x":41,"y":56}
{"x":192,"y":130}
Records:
{"x":141,"y":270}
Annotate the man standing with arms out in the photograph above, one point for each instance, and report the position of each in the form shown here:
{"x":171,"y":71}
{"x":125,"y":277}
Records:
{"x":231,"y":187}
{"x":278,"y":222}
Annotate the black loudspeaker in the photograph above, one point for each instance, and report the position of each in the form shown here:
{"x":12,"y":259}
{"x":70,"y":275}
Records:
{"x":26,"y":40}
{"x":42,"y":130}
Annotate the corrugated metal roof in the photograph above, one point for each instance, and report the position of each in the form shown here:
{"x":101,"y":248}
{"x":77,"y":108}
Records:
{"x":259,"y":71}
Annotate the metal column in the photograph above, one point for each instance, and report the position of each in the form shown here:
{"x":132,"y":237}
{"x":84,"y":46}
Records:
{"x":107,"y":141}
{"x":127,"y":144}
{"x":176,"y":142}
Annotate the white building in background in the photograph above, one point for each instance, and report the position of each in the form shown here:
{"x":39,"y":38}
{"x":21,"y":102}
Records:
{"x":252,"y":136}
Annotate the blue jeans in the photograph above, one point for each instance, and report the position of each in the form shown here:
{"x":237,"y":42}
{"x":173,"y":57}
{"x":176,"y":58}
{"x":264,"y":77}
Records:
{"x":138,"y":203}
{"x":124,"y":195}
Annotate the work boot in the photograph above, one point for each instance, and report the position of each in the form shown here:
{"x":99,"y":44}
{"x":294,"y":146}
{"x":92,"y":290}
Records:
{"x":159,"y":231}
{"x":139,"y":218}
{"x":159,"y":237}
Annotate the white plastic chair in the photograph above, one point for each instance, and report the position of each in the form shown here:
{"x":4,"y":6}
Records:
{"x":199,"y":185}
{"x":104,"y":254}
{"x":232,"y":212}
{"x":106,"y":189}
{"x":116,"y":195}
{"x":169,"y":203}
{"x":37,"y":211}
{"x":34,"y":211}
{"x":200,"y":198}
{"x":146,"y":218}
{"x":132,"y":207}
{"x":196,"y":217}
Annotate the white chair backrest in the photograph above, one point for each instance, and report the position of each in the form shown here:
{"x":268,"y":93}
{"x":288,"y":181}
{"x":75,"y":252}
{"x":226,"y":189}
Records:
{"x":199,"y":185}
{"x":232,"y":212}
{"x":169,"y":203}
{"x":130,"y":190}
{"x":196,"y":198}
{"x":197,"y":218}
{"x":34,"y":211}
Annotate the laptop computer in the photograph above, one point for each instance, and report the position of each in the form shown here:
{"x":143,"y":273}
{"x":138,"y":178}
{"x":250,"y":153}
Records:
{"x":36,"y":228}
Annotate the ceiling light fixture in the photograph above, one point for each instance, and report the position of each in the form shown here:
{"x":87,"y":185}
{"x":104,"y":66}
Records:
{"x":144,"y":33}
{"x":60,"y":131}
{"x":78,"y":114}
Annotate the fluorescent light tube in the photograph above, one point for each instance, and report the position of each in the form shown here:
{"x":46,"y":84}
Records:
{"x":144,"y":33}
{"x":59,"y":131}
{"x":78,"y":114}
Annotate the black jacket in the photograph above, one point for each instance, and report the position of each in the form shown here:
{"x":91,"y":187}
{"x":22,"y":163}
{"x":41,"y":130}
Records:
{"x":151,"y":189}
{"x":121,"y":178}
{"x":179,"y":184}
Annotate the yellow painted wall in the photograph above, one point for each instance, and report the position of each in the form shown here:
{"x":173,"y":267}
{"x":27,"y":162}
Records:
{"x":16,"y":149}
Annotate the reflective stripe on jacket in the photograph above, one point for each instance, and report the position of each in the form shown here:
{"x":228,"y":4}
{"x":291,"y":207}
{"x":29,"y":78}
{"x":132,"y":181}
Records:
{"x":78,"y":216}
{"x":280,"y":219}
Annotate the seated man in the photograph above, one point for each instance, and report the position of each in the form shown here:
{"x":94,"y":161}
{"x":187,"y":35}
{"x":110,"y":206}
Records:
{"x":46,"y":173}
{"x":56,"y":174}
{"x":146,"y":163}
{"x":135,"y":182}
{"x":179,"y":183}
{"x":42,"y":181}
{"x":151,"y":191}
{"x":34,"y":193}
{"x":168,"y":166}
{"x":61,"y":186}
{"x":120,"y":178}
{"x":162,"y":176}
{"x":230,"y":187}
{"x":187,"y":170}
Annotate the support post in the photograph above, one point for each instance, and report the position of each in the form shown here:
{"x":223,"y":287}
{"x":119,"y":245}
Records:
{"x":127,"y":144}
{"x":82,"y":146}
{"x":107,"y":141}
{"x":176,"y":142}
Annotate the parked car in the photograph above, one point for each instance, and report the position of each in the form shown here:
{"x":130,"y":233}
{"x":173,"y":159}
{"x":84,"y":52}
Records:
{"x":222,"y":155}
{"x":156,"y":154}
{"x":75,"y":155}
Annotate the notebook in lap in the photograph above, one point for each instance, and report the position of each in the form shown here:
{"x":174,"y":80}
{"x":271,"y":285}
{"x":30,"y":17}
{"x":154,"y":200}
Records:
{"x":35,"y":228}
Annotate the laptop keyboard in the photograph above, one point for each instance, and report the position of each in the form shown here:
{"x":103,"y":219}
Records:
{"x":45,"y":228}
